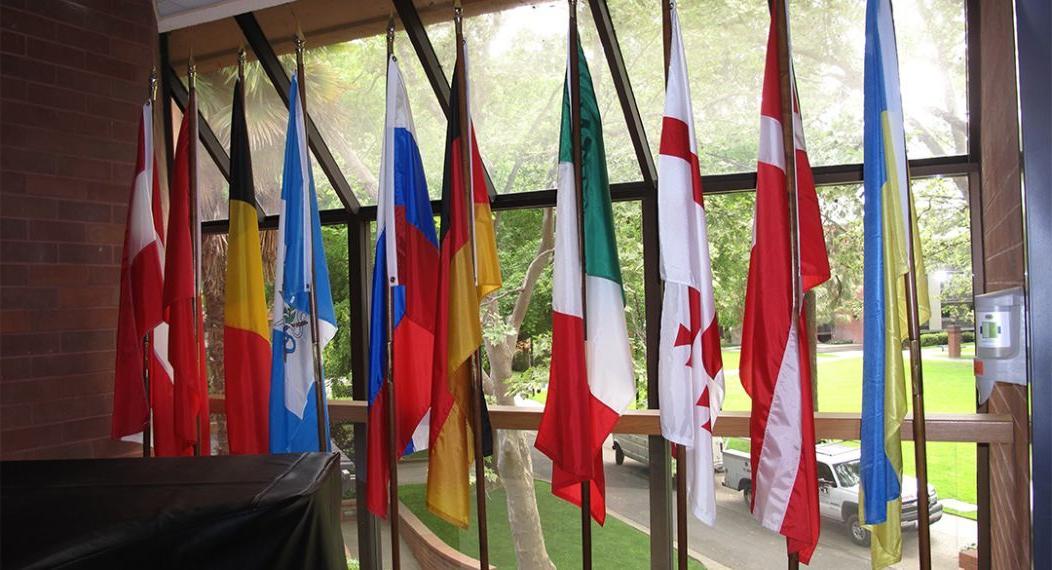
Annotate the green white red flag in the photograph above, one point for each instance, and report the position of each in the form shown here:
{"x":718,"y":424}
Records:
{"x":591,"y":379}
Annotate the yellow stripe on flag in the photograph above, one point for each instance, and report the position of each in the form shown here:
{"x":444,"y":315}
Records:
{"x":451,"y":454}
{"x":245,"y":305}
{"x":886,"y":544}
{"x":489,"y":279}
{"x":447,"y":474}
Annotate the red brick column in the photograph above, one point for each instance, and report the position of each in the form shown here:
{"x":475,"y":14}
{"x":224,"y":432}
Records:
{"x":72,"y":77}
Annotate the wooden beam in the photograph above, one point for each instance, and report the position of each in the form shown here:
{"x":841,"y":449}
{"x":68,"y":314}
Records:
{"x":957,"y":428}
{"x":604,"y":25}
{"x":181,"y":96}
{"x":425,"y":53}
{"x":323,"y":22}
{"x":274,"y":70}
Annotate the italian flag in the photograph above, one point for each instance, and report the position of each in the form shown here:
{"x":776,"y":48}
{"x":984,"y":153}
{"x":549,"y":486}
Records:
{"x":591,"y":377}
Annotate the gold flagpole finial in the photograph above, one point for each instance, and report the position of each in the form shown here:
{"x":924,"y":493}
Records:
{"x":151,"y":94}
{"x":241,"y":58}
{"x":299,"y":44}
{"x":390,"y":35}
{"x":191,"y":72}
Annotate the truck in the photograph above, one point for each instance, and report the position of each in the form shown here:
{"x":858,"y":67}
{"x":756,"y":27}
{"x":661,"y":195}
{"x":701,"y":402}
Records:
{"x":838,"y":481}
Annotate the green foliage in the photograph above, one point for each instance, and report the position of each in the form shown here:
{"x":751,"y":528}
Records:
{"x":338,"y":353}
{"x":940,"y":338}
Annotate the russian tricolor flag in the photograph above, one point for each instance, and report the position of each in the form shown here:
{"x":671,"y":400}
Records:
{"x":407,"y":263}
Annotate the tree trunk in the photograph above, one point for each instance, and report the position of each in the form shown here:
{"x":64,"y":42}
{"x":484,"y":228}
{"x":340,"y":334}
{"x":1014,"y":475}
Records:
{"x":515,"y":467}
{"x":514,"y":462}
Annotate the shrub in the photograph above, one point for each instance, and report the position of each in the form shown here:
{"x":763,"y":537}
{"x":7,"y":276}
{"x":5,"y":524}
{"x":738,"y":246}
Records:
{"x":933,"y":338}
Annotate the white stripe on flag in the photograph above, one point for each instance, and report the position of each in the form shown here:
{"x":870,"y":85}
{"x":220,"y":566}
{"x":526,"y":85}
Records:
{"x":610,"y":368}
{"x":566,"y":271}
{"x":780,"y":456}
{"x":771,"y":149}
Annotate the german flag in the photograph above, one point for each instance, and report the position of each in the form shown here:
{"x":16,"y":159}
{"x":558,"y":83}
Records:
{"x":458,"y":331}
{"x":246,"y":347}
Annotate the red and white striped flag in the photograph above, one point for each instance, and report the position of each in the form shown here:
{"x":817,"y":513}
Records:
{"x":775,"y":368}
{"x":140,"y":312}
{"x":691,"y":367}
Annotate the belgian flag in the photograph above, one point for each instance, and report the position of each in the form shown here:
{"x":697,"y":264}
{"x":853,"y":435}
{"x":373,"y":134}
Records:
{"x":458,"y":330}
{"x":246,"y":345}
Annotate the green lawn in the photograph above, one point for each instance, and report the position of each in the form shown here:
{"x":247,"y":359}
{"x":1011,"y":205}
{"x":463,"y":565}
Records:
{"x":949,"y":387}
{"x":615,"y":545}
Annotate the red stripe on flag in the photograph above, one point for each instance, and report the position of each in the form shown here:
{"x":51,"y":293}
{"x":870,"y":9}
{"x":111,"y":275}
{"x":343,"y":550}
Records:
{"x":565,"y":432}
{"x":376,"y":468}
{"x":246,"y":361}
{"x":675,"y":141}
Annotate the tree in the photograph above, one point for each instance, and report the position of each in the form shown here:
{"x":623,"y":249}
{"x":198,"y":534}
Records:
{"x":514,"y":462}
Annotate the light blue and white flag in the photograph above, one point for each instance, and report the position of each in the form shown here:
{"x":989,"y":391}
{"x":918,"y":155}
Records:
{"x":293,"y":390}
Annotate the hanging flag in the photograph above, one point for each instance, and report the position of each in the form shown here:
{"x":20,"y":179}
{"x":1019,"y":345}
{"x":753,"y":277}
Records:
{"x":887,"y":229}
{"x":458,"y":328}
{"x":246,"y":342}
{"x":591,"y":379}
{"x":407,"y":262}
{"x":186,"y":343}
{"x":141,"y":312}
{"x":775,"y":366}
{"x":300,"y":269}
{"x":690,"y":364}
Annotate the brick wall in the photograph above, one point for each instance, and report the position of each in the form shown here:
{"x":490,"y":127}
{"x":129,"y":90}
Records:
{"x":74,"y":74}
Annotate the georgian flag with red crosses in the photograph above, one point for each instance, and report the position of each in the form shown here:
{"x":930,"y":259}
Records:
{"x":691,"y":368}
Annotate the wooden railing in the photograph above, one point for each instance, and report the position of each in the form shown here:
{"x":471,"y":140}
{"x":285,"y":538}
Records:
{"x":963,"y":428}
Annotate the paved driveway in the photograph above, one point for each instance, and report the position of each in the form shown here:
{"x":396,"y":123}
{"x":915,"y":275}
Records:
{"x":738,"y":541}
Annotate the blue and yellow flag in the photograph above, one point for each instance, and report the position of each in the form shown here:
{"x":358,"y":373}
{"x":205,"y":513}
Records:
{"x":888,"y":226}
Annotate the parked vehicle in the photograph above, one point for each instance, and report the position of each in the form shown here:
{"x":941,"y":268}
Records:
{"x":637,"y":447}
{"x":838,"y":480}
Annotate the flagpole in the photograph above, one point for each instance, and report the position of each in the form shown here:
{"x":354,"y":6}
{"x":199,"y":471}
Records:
{"x":392,"y":440}
{"x":147,"y":340}
{"x":467,"y":149}
{"x":319,"y":382}
{"x":920,"y":437}
{"x":785,"y":76}
{"x":195,"y":228}
{"x":575,"y":117}
{"x":681,"y":453}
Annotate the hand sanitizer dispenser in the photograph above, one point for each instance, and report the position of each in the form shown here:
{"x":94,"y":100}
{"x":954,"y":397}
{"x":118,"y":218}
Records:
{"x":1000,"y":339}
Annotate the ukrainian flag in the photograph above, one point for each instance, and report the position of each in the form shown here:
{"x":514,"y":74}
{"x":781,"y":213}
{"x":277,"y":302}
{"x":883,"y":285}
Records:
{"x":888,"y":225}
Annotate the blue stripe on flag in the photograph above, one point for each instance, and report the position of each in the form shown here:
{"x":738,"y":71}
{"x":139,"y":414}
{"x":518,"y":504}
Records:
{"x":410,"y":185}
{"x":880,"y":482}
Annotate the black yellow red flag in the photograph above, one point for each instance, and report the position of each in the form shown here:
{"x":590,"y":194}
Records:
{"x":467,"y":273}
{"x":246,"y":346}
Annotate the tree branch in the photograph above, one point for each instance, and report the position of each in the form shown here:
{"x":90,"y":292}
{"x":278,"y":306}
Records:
{"x":533,"y":272}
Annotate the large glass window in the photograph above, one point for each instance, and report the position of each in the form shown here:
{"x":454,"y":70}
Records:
{"x":518,"y":64}
{"x":725,"y":46}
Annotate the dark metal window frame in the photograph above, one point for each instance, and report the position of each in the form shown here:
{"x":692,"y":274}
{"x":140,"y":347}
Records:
{"x":357,"y":219}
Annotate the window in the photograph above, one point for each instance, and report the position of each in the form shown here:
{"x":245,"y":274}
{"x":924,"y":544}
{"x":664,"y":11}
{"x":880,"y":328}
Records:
{"x":825,"y":474}
{"x":518,"y":59}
